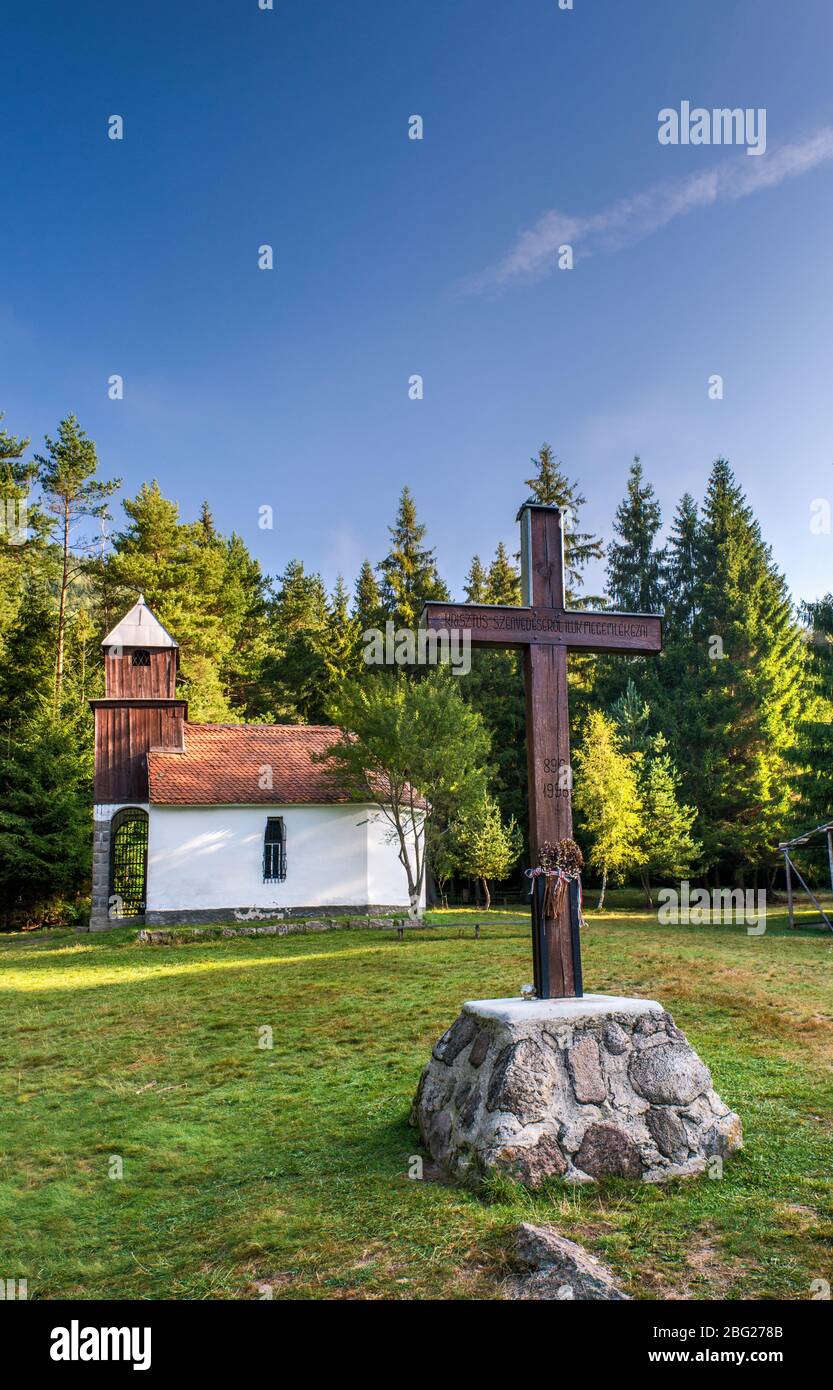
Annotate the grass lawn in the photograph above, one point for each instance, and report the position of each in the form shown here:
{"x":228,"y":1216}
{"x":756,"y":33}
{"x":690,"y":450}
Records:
{"x":245,"y":1166}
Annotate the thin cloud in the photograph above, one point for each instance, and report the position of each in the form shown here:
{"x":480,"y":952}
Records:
{"x":632,"y":219}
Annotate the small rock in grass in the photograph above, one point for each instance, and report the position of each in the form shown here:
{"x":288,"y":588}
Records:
{"x":557,"y":1268}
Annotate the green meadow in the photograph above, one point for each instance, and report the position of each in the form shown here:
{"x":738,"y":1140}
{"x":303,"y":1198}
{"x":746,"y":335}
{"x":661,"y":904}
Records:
{"x":283,"y":1171}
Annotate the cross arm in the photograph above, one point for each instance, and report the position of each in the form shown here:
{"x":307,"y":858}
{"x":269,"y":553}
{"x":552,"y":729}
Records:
{"x":498,"y":625}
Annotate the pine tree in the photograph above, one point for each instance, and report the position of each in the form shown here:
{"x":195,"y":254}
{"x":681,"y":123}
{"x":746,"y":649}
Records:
{"x":206,"y":590}
{"x":15,"y":480}
{"x":409,"y":571}
{"x":71,"y":493}
{"x":634,"y":563}
{"x":551,"y":486}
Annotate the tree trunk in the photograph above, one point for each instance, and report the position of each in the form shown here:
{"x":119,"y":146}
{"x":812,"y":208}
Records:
{"x":486,"y":894}
{"x":646,"y":884}
{"x":62,"y":611}
{"x":600,"y":904}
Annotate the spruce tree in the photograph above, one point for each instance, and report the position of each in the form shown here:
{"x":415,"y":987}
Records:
{"x":27,"y":666}
{"x":341,"y":645}
{"x":666,"y":845}
{"x":494,"y":687}
{"x":409,"y":571}
{"x":296,"y":671}
{"x":635,"y":566}
{"x":206,"y":522}
{"x":812,"y":757}
{"x":503,"y":583}
{"x":634,"y":562}
{"x":367,"y":601}
{"x":474,"y":586}
{"x":45,"y":821}
{"x":631,"y":714}
{"x":551,"y":486}
{"x":733,"y":684}
{"x":679,"y":595}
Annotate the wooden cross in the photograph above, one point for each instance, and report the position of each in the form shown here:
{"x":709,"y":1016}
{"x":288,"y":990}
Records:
{"x":544,"y":629}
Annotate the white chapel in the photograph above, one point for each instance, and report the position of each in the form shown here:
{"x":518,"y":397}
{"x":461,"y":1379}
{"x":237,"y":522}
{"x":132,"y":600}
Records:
{"x":200,"y":823}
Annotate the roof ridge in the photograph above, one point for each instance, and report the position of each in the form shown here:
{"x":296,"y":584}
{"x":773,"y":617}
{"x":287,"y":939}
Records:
{"x":309,"y":728}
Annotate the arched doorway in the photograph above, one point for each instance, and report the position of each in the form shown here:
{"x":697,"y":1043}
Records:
{"x":128,"y":862}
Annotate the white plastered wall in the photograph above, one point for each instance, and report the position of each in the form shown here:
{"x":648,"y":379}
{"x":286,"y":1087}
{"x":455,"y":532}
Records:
{"x":385,"y":873}
{"x":202,"y":857}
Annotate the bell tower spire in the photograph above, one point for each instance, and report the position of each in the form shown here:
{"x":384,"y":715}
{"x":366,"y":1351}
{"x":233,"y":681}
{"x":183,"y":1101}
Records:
{"x":140,"y":657}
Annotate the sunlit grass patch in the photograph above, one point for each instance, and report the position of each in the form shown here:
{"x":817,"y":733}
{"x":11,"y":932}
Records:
{"x":287,"y":1165}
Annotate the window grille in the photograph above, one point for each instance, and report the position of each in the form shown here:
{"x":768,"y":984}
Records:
{"x":274,"y":850}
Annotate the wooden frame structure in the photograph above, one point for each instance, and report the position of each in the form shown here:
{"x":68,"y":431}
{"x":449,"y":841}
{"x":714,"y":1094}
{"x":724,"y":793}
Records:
{"x":790,"y":867}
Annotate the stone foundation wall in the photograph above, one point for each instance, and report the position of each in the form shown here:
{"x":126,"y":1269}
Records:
{"x":169,"y":937}
{"x":239,"y":916}
{"x":577,"y":1089}
{"x":100,"y":905}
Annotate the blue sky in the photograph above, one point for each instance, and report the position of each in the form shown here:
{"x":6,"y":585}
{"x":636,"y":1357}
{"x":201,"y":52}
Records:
{"x":395,"y":257}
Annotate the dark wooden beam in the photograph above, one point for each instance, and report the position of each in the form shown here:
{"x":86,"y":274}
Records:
{"x":500,"y":626}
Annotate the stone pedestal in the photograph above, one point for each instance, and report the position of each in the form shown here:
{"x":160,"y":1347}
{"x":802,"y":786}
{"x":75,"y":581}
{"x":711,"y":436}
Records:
{"x":573,"y":1088}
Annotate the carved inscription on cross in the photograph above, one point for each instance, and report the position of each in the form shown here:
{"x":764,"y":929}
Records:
{"x":544,"y":629}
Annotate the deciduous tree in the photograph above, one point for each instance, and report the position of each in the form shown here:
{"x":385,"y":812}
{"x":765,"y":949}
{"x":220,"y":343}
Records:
{"x":606,"y":796}
{"x":488,"y":846}
{"x":416,"y":751}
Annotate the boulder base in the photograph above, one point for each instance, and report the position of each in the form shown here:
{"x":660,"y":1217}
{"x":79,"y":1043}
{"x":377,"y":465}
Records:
{"x":578,"y":1089}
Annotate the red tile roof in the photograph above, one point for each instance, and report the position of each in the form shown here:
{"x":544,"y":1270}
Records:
{"x":223,"y":765}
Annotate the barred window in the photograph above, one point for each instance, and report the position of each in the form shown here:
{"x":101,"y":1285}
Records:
{"x":140,"y":658}
{"x":274,"y":850}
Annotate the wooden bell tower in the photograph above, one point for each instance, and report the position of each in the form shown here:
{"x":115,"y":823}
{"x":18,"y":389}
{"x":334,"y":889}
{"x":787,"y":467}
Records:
{"x":140,"y":710}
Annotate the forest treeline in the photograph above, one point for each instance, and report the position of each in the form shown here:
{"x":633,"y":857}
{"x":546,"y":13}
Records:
{"x":711,"y":752}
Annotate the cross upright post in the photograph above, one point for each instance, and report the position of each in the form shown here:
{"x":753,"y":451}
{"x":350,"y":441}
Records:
{"x":544,"y":628}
